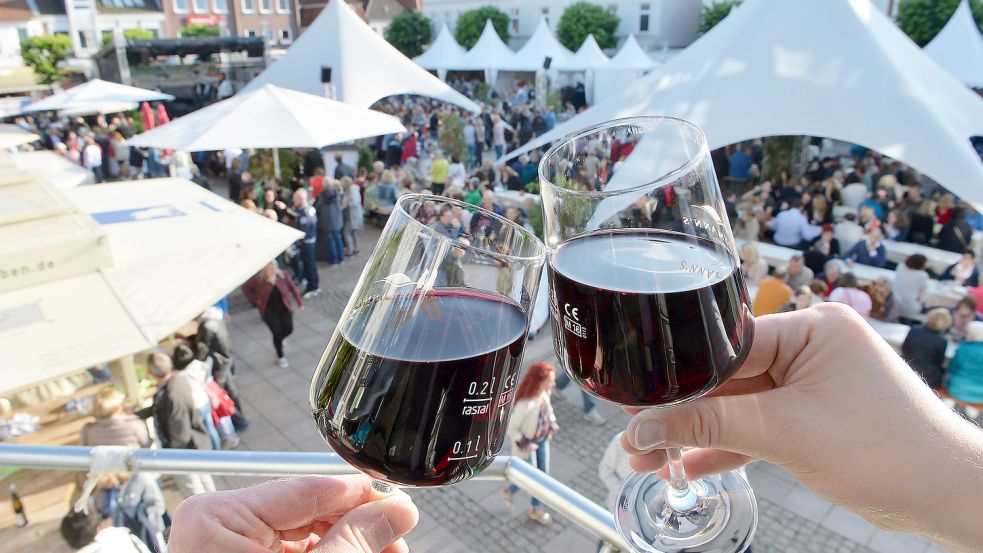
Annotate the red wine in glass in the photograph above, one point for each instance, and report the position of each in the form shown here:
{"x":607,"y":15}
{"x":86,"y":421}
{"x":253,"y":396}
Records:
{"x":648,"y":317}
{"x":427,"y":405}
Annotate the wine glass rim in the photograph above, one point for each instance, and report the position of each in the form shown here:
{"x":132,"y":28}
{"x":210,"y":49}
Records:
{"x":672,"y":175}
{"x":540,"y":247}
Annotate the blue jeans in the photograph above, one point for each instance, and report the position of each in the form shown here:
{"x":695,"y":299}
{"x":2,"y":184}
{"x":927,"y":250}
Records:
{"x":308,"y":265}
{"x":205,"y":413}
{"x":335,"y":245}
{"x":541,"y":459}
{"x":562,"y":380}
{"x":472,"y":154}
{"x":498,"y":150}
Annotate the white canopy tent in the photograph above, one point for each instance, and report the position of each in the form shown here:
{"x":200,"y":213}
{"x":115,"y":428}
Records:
{"x":96,"y":93}
{"x":489,"y":54}
{"x":44,"y":165}
{"x":176,"y":249}
{"x":12,"y":135}
{"x":364,"y":67}
{"x":541,"y":44}
{"x":588,"y":56}
{"x":631,"y":57}
{"x":770,"y":69}
{"x":443,"y":54}
{"x":959,"y":47}
{"x":269,"y":117}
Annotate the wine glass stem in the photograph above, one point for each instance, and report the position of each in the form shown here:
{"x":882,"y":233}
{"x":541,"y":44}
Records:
{"x":681,"y":495}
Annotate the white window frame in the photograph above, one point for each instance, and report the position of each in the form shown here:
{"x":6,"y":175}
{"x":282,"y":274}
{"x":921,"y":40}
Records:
{"x":194,"y":6}
{"x":265,"y":10}
{"x":248,"y":10}
{"x":283,"y":6}
{"x":217,"y":9}
{"x":286,"y":36}
{"x":179,"y":10}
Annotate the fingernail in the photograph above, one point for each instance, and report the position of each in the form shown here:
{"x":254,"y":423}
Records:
{"x":649,"y":435}
{"x":403,"y":520}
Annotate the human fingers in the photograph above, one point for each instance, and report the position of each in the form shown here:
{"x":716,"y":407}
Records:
{"x":302,"y":501}
{"x":372,"y":527}
{"x":704,"y":462}
{"x":399,"y":546}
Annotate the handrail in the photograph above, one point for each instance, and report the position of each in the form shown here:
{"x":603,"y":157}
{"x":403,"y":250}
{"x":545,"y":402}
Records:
{"x":562,"y":499}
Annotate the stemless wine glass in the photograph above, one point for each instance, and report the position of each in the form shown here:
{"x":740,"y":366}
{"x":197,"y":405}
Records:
{"x":415,"y":387}
{"x":649,"y":307}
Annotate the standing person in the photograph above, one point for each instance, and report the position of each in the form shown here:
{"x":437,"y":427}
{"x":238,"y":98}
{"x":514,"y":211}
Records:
{"x":924,"y":346}
{"x":910,"y":281}
{"x":847,"y":292}
{"x":330,"y":221}
{"x":613,"y":470}
{"x":194,"y":371}
{"x":353,"y":215}
{"x":498,"y":135}
{"x":113,"y":426}
{"x":306,"y":222}
{"x":276,"y":297}
{"x":531,"y":427}
{"x":92,"y":159}
{"x":341,"y":168}
{"x":121,"y":155}
{"x":138,"y":157}
{"x":471,"y":141}
{"x":316,"y":182}
{"x":439,"y":170}
{"x":235,"y":180}
{"x":177,"y":421}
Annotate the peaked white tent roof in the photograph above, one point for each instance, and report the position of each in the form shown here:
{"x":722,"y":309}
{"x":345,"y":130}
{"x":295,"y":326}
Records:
{"x":588,"y":56}
{"x":444,"y":53}
{"x":364,"y":66}
{"x":541,"y":44}
{"x":94,"y":93}
{"x":488,"y":53}
{"x":631,"y":57}
{"x":769,"y":69}
{"x":269,"y":117}
{"x":959,"y":47}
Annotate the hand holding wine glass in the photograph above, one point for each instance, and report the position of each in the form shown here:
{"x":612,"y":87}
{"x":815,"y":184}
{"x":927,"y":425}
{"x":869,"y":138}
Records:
{"x":825,"y":398}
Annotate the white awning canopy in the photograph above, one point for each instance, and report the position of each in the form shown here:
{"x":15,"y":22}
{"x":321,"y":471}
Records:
{"x":44,"y":165}
{"x":959,"y":47}
{"x":364,"y":67}
{"x":443,"y":54}
{"x":269,"y":117}
{"x":770,"y":68}
{"x":96,"y":93}
{"x":488,"y":53}
{"x":589,"y":56}
{"x":541,"y":44}
{"x":176,"y":249}
{"x":631,"y":57}
{"x":12,"y":135}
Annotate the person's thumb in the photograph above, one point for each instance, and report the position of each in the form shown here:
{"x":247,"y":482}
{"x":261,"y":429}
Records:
{"x":371,"y":527}
{"x":733,"y":423}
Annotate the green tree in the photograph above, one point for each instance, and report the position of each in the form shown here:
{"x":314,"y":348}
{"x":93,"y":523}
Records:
{"x":137,"y":34}
{"x":196,"y":31}
{"x":43,"y":54}
{"x":409,"y":32}
{"x":472,"y":22}
{"x":714,"y":13}
{"x":923,"y":19}
{"x":451,"y":136}
{"x":583,"y":18}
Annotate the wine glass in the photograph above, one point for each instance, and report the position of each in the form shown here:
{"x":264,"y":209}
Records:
{"x":416,"y":385}
{"x":649,"y":307}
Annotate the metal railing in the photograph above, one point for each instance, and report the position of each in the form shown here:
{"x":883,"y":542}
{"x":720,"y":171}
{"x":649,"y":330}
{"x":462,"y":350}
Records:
{"x":562,"y":499}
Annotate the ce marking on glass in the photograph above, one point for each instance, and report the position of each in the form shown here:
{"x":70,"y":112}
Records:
{"x":571,"y":321}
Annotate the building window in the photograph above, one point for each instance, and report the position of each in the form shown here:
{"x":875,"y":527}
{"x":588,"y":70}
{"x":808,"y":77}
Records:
{"x":181,"y":6}
{"x":250,"y":33}
{"x":285,"y":37}
{"x":643,"y":19}
{"x":265,"y":6}
{"x":515,"y":20}
{"x":221,"y":6}
{"x":283,"y":6}
{"x":83,"y":39}
{"x":268,"y":35}
{"x":200,"y":6}
{"x":248,"y":6}
{"x":21,"y":34}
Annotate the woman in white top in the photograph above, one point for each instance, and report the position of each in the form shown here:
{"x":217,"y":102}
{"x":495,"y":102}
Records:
{"x":532,"y":425}
{"x":196,"y":374}
{"x":910,"y":281}
{"x":456,"y":173}
{"x":848,"y":293}
{"x":753,"y":266}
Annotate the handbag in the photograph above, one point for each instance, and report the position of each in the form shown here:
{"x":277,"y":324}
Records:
{"x":222,"y":404}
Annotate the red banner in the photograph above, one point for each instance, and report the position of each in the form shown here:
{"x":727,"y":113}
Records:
{"x":207,"y":20}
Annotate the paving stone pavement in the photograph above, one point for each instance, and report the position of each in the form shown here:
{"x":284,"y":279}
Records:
{"x":471,"y":516}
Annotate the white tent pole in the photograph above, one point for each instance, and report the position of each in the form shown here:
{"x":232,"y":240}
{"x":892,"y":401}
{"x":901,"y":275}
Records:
{"x":276,"y":163}
{"x":124,"y":368}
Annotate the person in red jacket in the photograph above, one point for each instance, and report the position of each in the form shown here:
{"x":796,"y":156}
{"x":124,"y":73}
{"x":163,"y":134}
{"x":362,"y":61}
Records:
{"x":276,"y":296}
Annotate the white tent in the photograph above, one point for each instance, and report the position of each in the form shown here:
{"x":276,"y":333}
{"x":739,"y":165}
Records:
{"x":176,"y":249}
{"x":959,"y":47}
{"x":589,"y":56}
{"x":12,"y":135}
{"x":96,"y":93}
{"x":443,"y":54}
{"x":269,"y":117}
{"x":770,"y":69}
{"x":489,"y":54}
{"x":541,"y":44}
{"x":44,"y":165}
{"x":631,"y":57}
{"x":364,"y":67}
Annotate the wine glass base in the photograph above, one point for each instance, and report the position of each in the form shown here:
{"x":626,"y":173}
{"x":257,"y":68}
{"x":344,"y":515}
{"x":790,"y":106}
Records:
{"x":722,"y":519}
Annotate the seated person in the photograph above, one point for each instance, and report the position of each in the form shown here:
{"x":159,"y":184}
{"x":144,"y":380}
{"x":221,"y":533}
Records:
{"x":870,"y":250}
{"x":965,"y":272}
